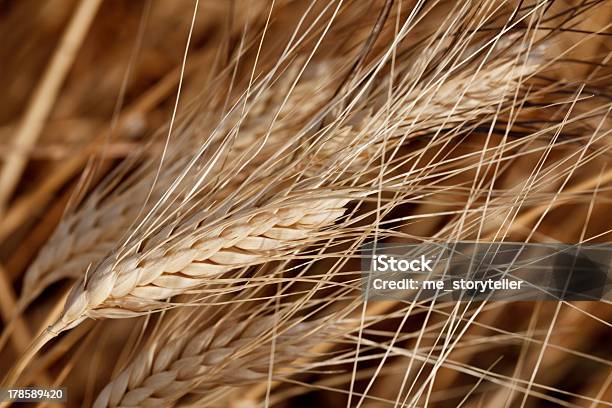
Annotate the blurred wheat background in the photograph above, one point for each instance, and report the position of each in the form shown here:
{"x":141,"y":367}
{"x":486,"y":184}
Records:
{"x":185,"y":185}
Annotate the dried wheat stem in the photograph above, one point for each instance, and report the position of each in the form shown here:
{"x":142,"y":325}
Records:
{"x":44,"y":97}
{"x":22,"y":334}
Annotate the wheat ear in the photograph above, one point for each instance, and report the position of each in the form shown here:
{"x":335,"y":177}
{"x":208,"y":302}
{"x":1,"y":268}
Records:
{"x":232,"y":352}
{"x":126,"y":287}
